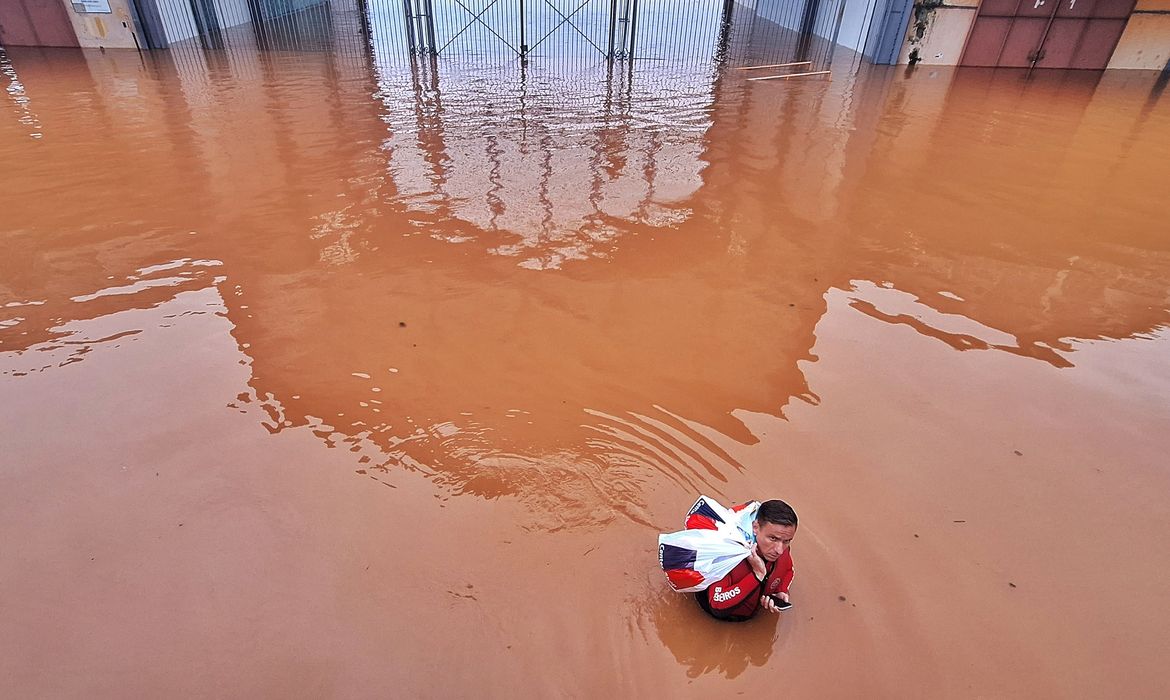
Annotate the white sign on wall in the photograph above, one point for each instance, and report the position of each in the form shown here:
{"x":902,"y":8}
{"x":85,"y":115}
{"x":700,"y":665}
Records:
{"x":91,"y":6}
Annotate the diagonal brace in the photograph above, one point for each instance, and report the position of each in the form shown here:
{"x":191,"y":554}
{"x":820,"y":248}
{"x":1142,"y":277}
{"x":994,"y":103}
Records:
{"x":476,"y":18}
{"x":568,"y":19}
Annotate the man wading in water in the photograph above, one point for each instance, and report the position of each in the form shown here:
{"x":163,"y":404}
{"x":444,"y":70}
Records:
{"x":761,"y":579}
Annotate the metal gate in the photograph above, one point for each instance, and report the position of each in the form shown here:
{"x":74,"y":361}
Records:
{"x":604,"y":29}
{"x":35,"y":23}
{"x":487,"y":28}
{"x":1046,"y":33}
{"x":500,"y":32}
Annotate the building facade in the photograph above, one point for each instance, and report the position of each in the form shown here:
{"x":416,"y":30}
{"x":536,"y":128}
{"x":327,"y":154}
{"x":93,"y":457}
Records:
{"x":1087,"y":34}
{"x":1077,"y":34}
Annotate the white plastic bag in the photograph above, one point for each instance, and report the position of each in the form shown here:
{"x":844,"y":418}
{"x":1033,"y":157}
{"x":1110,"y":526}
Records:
{"x":715,"y":541}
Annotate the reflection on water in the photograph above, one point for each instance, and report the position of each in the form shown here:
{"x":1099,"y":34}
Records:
{"x":19,"y":100}
{"x":563,"y":289}
{"x":550,"y":164}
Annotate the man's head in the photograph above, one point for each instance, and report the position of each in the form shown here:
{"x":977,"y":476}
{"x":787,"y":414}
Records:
{"x":774,"y":527}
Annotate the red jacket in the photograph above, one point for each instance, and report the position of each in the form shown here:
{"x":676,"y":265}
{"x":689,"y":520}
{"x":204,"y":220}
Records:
{"x":737,"y":595}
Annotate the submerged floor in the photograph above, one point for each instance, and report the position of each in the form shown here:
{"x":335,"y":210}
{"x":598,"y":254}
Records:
{"x":322,"y":378}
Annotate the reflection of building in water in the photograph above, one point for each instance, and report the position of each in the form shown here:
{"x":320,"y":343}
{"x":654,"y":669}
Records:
{"x":581,"y":389}
{"x":555,"y":166}
{"x":917,"y":183}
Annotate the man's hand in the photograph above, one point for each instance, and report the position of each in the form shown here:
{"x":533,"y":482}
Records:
{"x":769,"y":604}
{"x":757,"y":562}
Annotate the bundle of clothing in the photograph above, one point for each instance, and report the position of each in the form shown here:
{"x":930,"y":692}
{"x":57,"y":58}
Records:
{"x":715,"y":541}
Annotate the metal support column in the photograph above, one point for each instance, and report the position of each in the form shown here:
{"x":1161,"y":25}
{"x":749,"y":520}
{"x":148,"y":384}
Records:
{"x":625,"y":39}
{"x":408,"y":10}
{"x":633,"y":32}
{"x":206,"y":21}
{"x":363,"y":9}
{"x":420,"y":27}
{"x":153,"y":30}
{"x":724,"y":40}
{"x":807,"y":23}
{"x":612,"y":26}
{"x":432,"y":47}
{"x":836,"y":33}
{"x":523,"y":33}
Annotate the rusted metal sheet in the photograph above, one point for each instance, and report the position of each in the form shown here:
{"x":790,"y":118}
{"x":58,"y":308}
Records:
{"x":1025,"y":35}
{"x":35,"y":23}
{"x":1097,"y":44}
{"x":986,"y":41}
{"x":1046,"y":33}
{"x":1113,"y":9}
{"x":1061,"y":47}
{"x":1078,"y":8}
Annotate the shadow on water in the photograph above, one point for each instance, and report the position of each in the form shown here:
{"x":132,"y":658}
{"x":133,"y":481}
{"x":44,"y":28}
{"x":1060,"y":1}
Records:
{"x":562,"y":289}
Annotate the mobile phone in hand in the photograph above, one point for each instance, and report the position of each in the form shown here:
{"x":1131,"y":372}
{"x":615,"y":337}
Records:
{"x":781,"y":604}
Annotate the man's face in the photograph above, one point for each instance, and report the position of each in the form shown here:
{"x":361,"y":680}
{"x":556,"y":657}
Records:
{"x":773,"y":539}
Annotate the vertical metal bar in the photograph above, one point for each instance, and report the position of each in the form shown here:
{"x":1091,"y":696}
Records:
{"x":206,"y":23}
{"x":613,"y":25}
{"x":170,"y":24}
{"x":751,"y":32}
{"x":723,"y":41}
{"x":379,"y":47}
{"x":409,"y":14}
{"x":434,"y":48}
{"x":624,"y":21}
{"x":285,"y":31}
{"x":1043,"y":39}
{"x":295,"y":19}
{"x":807,"y":23}
{"x":370,"y":51}
{"x":789,"y":22}
{"x":633,"y":30}
{"x":523,"y":34}
{"x":137,"y":28}
{"x":420,"y":29}
{"x":146,"y":15}
{"x":259,"y":29}
{"x":218,"y":10}
{"x":363,"y":9}
{"x":836,"y":31}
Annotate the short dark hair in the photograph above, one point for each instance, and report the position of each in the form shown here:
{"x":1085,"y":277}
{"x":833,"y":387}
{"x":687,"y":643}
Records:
{"x":776,"y":512}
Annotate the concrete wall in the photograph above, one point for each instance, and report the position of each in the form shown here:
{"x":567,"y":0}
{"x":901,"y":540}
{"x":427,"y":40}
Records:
{"x":938,"y":34}
{"x":100,"y":30}
{"x":1145,"y":44}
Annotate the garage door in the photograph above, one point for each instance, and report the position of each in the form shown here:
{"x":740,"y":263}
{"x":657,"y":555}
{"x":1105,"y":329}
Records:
{"x":1046,"y":33}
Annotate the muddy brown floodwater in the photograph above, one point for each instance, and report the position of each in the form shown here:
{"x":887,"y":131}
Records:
{"x":323,"y":379}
